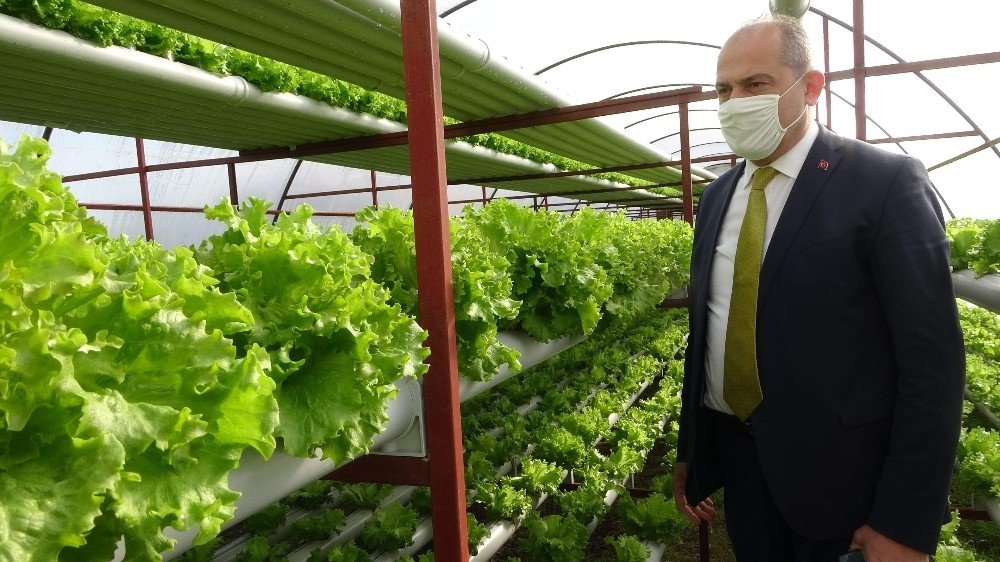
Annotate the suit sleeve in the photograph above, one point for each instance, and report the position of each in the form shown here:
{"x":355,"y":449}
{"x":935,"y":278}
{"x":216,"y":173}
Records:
{"x":911,"y":273}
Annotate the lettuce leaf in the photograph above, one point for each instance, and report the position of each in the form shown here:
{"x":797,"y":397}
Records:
{"x":336,"y":344}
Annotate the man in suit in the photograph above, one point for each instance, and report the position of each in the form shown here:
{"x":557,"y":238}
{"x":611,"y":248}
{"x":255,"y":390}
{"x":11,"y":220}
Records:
{"x":825,"y":368}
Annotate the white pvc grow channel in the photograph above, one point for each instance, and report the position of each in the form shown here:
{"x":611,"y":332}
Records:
{"x":982,"y":291}
{"x":54,"y":79}
{"x":359,"y":41}
{"x":262,"y":482}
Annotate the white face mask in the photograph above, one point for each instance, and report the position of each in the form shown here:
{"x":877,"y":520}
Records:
{"x":751,"y":125}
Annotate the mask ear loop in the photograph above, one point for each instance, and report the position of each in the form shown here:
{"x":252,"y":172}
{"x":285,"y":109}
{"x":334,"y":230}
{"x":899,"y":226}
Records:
{"x":778,"y":109}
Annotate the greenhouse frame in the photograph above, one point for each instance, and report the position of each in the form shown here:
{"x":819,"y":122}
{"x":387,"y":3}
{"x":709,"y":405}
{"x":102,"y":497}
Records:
{"x":433,"y":119}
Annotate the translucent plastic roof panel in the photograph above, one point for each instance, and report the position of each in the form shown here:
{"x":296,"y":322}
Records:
{"x":902,"y":104}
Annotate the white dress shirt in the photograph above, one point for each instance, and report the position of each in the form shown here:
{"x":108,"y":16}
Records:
{"x":720,"y":284}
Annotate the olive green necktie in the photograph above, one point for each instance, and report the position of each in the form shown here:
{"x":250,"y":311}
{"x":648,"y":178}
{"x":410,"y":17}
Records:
{"x":741,"y":385}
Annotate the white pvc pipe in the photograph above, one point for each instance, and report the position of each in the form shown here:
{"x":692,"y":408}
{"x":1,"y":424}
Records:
{"x":474,"y":55}
{"x":983,"y":291}
{"x":353,"y":527}
{"x":236,"y":101}
{"x":656,"y":551}
{"x":990,"y":505}
{"x":532,"y":353}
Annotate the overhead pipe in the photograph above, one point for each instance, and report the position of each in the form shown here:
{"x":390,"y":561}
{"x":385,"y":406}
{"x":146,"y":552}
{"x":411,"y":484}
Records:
{"x":474,"y":55}
{"x":474,"y":74}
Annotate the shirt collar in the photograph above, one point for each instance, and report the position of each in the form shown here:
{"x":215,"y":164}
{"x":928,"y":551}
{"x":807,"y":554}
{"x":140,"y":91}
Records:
{"x":791,"y":162}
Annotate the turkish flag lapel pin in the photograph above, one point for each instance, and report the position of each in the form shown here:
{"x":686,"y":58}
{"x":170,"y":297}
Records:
{"x":823,"y":164}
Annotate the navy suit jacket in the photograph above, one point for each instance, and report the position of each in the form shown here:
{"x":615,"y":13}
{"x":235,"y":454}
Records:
{"x":859,"y":349}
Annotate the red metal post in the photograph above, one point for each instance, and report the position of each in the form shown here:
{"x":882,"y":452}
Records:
{"x":860,"y":123}
{"x":686,"y":165}
{"x":147,"y":214}
{"x":374,"y":189}
{"x":826,"y":70}
{"x":422,"y":73}
{"x":703,"y":552}
{"x":384,"y":469}
{"x":234,"y":192}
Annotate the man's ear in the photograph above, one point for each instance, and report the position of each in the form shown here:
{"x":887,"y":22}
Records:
{"x":814,"y":86}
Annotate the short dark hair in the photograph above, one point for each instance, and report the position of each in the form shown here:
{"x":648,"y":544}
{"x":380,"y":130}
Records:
{"x":796,"y":53}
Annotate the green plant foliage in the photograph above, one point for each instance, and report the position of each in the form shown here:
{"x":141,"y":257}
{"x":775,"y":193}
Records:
{"x":481,"y":278}
{"x":556,"y":277}
{"x":347,"y":552}
{"x":390,"y":528}
{"x":257,"y":549}
{"x":975,"y":244}
{"x":312,"y":495}
{"x":554,"y":538}
{"x":538,"y":477}
{"x":655,"y":518}
{"x":979,"y":455}
{"x":363,"y":496}
{"x":317,"y":527}
{"x":105,"y":430}
{"x":502,"y":500}
{"x":628,"y":548}
{"x":477,"y":532}
{"x":267,"y":520}
{"x":337,"y":346}
{"x":644,"y":260}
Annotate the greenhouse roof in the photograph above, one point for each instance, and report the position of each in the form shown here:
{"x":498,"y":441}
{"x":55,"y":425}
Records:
{"x":559,"y":54}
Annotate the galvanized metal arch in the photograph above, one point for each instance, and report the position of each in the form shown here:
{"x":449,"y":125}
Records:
{"x":689,"y":130}
{"x":625,"y":44}
{"x":678,"y":85}
{"x":674,"y":112}
{"x":455,"y":8}
{"x":918,"y":74}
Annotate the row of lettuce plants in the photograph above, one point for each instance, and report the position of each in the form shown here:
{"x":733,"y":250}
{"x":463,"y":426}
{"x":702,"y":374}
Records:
{"x":317,"y":512}
{"x":133,"y":377}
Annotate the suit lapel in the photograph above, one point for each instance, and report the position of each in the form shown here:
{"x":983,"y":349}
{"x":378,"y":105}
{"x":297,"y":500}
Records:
{"x":818,"y":167}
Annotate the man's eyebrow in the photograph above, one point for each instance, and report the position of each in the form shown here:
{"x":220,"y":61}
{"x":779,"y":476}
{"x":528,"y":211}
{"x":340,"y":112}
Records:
{"x":756,"y":77}
{"x":752,"y":78}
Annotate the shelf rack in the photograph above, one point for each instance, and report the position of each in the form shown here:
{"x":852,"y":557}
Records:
{"x":56,"y":80}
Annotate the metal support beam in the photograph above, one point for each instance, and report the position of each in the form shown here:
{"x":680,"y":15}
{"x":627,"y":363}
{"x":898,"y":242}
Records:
{"x":490,"y":125}
{"x":422,"y":76}
{"x":374,"y":179}
{"x":288,"y":185}
{"x":954,"y":159}
{"x":937,"y":136}
{"x":860,"y":124}
{"x":198,"y":210}
{"x":147,"y":215}
{"x":384,"y":469}
{"x":826,"y":70}
{"x":234,"y":192}
{"x":686,"y":188}
{"x":917,"y":66}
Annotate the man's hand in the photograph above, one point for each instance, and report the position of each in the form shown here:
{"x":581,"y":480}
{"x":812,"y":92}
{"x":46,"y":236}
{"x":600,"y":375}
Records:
{"x":703,"y":511}
{"x":880,"y":548}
